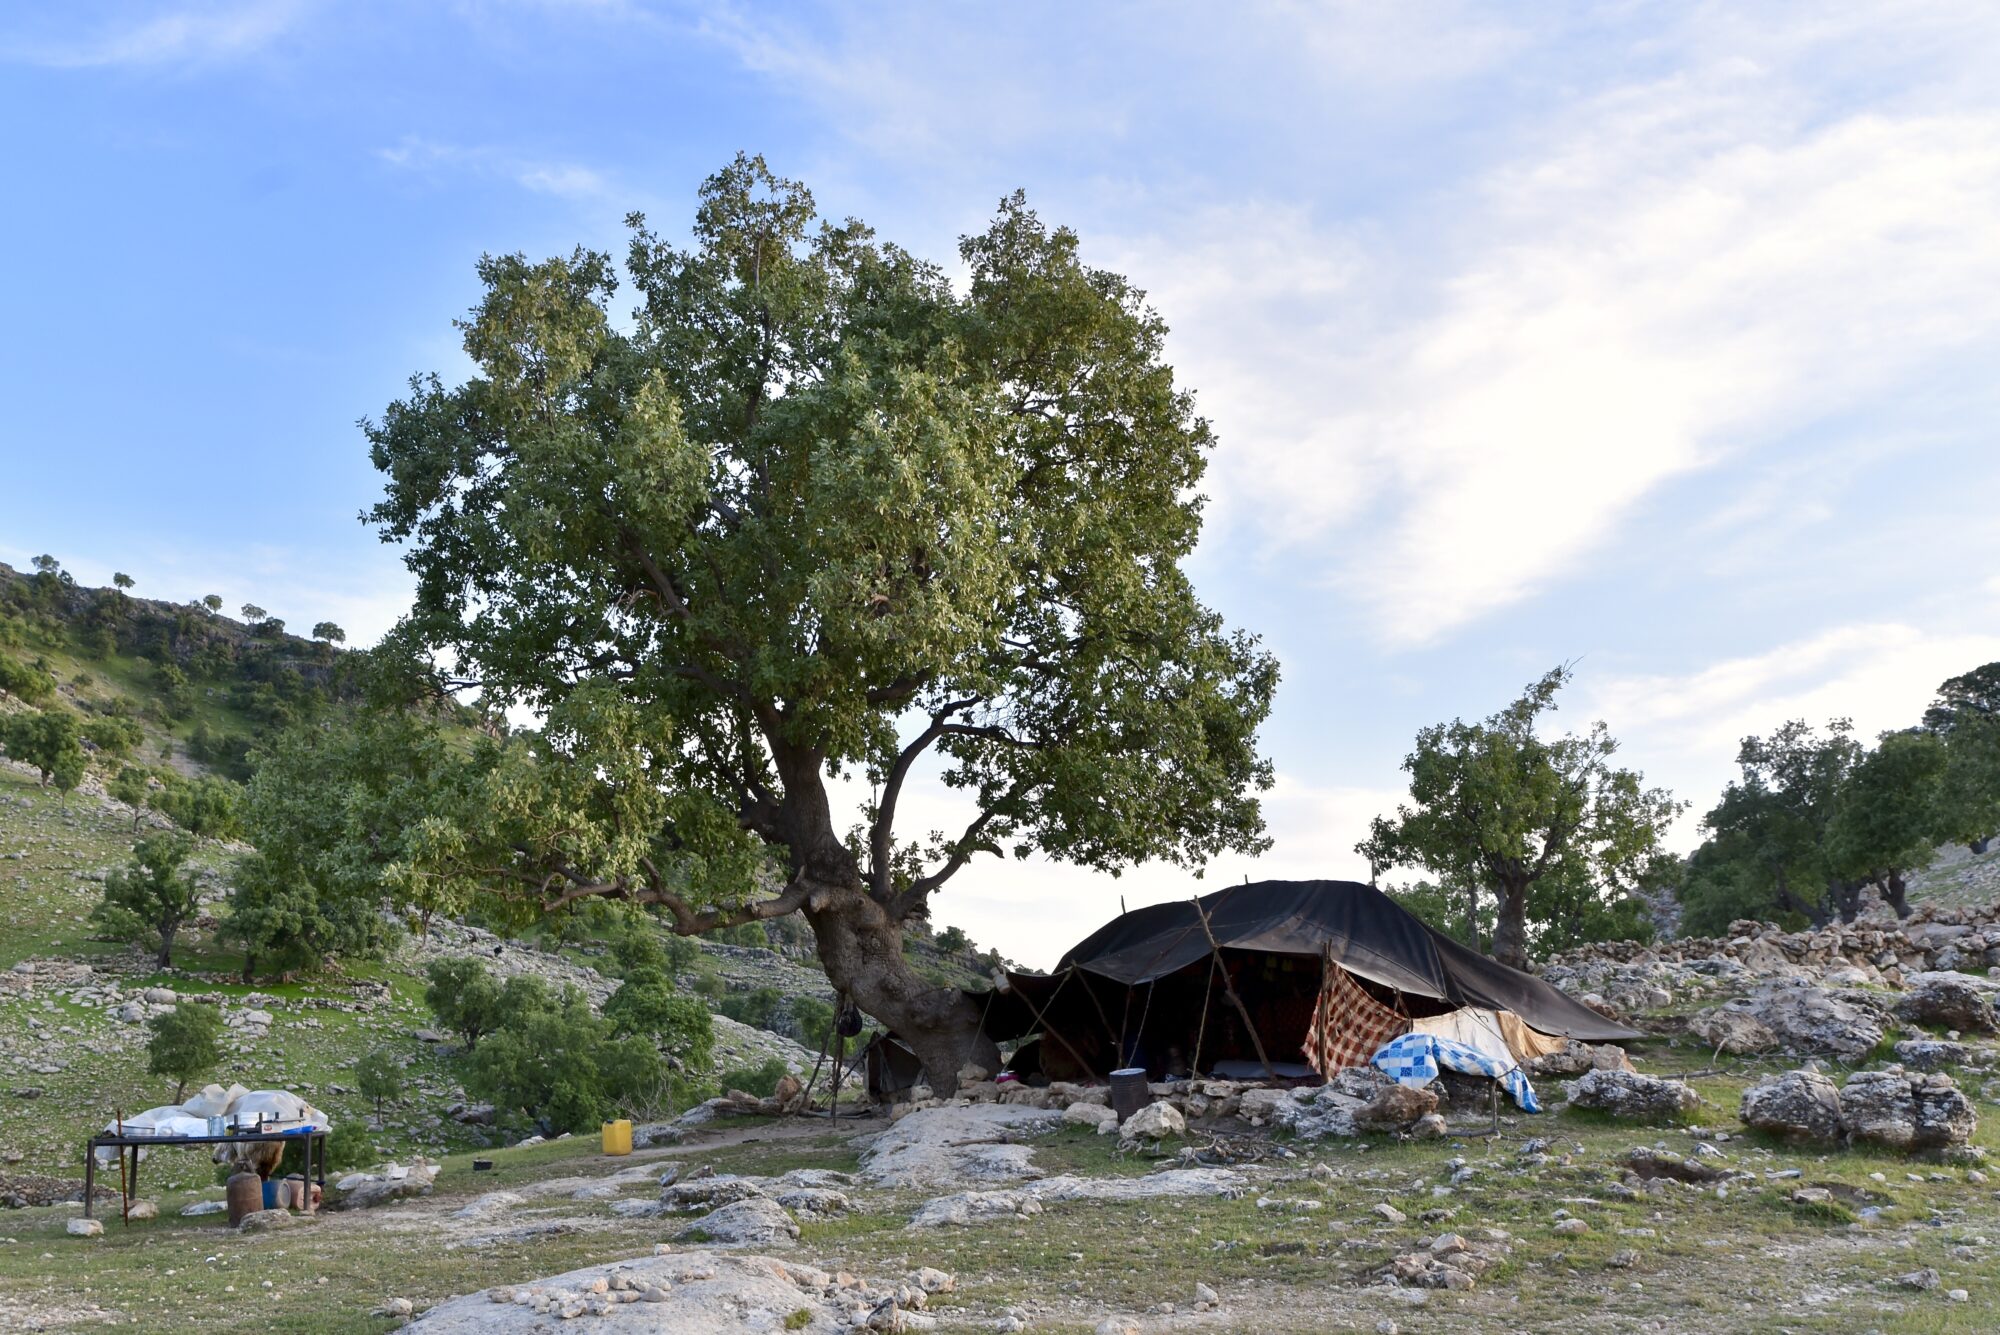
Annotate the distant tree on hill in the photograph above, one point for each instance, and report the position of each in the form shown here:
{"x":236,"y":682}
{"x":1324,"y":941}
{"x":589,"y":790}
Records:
{"x":1886,"y":815}
{"x":378,"y":1076}
{"x":132,"y":786}
{"x":1497,"y":808}
{"x":1767,"y":853}
{"x":184,"y":1043}
{"x":122,"y":580}
{"x":213,"y":602}
{"x":465,"y":997}
{"x":152,"y":897}
{"x":1969,"y":803}
{"x":208,"y":807}
{"x":329,"y":632}
{"x":953,"y":941}
{"x":25,"y":681}
{"x":253,"y":613}
{"x":1970,"y":696}
{"x":49,"y":739}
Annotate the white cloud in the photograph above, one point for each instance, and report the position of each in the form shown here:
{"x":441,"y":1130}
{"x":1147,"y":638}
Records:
{"x":432,"y":158}
{"x":197,"y":35}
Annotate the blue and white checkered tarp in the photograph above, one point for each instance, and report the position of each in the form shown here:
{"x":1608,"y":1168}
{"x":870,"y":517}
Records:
{"x":1414,"y":1059}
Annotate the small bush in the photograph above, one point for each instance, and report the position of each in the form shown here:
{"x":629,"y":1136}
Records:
{"x":759,"y":1080}
{"x":184,"y":1043}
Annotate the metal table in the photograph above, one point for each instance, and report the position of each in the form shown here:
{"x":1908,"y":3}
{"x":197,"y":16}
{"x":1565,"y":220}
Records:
{"x":128,"y":1183}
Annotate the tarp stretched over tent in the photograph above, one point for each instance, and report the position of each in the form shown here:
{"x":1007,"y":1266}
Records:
{"x":1357,"y":926}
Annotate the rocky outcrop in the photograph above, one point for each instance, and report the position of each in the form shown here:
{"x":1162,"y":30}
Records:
{"x":755,"y":1222}
{"x":1946,"y":1000}
{"x":1155,"y":1121}
{"x":1798,"y":1018}
{"x":1799,"y":1105}
{"x":951,"y":1146}
{"x":1628,"y":1094}
{"x":1896,"y":1109}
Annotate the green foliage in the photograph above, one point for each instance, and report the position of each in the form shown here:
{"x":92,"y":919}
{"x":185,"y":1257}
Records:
{"x":953,"y":941}
{"x":329,"y":632}
{"x":1767,"y":849}
{"x":113,"y":736}
{"x":349,"y":1145}
{"x":759,"y":1080}
{"x":1969,"y":795}
{"x":150,"y":900}
{"x":379,"y":1077}
{"x":285,"y":925}
{"x":1497,"y":806}
{"x":1970,"y":697}
{"x":812,"y":1021}
{"x":134,"y":788}
{"x":757,"y":1008}
{"x":184,"y":1043}
{"x":645,"y":1004}
{"x":1885,"y":819}
{"x":25,"y":681}
{"x":222,"y":751}
{"x":49,"y":739}
{"x":176,"y":691}
{"x":465,"y":997}
{"x":208,"y":807}
{"x":561,"y":1067}
{"x":812,"y":493}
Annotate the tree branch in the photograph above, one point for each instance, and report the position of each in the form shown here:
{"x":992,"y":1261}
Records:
{"x":881,"y":837}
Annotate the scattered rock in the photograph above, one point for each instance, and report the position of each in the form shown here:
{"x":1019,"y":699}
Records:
{"x":84,"y":1228}
{"x":1947,"y":1001}
{"x":758,"y":1221}
{"x":1627,"y":1094}
{"x":1155,"y":1121}
{"x":1924,"y":1279}
{"x":1802,"y":1105}
{"x":1395,"y":1108}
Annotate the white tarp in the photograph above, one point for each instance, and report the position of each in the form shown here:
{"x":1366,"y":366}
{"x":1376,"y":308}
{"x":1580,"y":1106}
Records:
{"x":1476,"y":1028}
{"x":240,"y":1106}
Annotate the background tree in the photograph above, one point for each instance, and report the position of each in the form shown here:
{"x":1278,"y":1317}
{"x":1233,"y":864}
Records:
{"x":25,"y":681}
{"x":465,"y":998}
{"x":133,"y":787}
{"x":153,"y":897}
{"x":1769,"y":830}
{"x":378,"y":1075}
{"x":208,"y":807}
{"x":820,"y":514}
{"x":329,"y":632}
{"x":51,"y":740}
{"x":122,"y":580}
{"x":1969,"y":796}
{"x":252,"y":613}
{"x":1968,"y":697}
{"x":645,"y":1004}
{"x":1496,"y":806}
{"x":184,"y":1043}
{"x":1886,"y":815}
{"x":212,"y":601}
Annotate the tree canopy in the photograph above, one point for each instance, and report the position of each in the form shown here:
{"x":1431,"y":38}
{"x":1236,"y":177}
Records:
{"x":1497,"y":808}
{"x":817,"y":513}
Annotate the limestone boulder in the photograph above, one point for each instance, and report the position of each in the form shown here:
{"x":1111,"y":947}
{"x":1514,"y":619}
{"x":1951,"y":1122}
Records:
{"x":1800,"y":1105}
{"x":1631,"y":1095}
{"x":757,"y":1222}
{"x":1808,"y":1020}
{"x":1155,"y":1121}
{"x":1396,"y":1107}
{"x":1948,"y":1001}
{"x":1906,"y":1110}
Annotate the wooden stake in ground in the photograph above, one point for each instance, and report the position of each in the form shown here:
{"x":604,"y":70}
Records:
{"x":1227,"y":986}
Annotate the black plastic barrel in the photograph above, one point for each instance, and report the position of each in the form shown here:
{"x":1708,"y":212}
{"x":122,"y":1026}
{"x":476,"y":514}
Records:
{"x":1129,"y":1092}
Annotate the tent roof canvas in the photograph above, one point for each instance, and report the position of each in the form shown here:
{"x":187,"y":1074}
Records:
{"x":1357,"y":926}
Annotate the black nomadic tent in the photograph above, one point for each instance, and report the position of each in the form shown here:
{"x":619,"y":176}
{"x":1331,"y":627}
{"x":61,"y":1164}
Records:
{"x":1235,"y":980}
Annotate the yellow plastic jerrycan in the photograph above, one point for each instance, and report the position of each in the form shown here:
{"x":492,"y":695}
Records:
{"x":618,"y":1136}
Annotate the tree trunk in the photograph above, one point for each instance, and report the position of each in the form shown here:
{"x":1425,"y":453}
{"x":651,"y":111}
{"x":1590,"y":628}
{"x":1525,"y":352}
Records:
{"x":1897,"y":892}
{"x":862,"y":951}
{"x":166,"y":959}
{"x":1510,"y":928}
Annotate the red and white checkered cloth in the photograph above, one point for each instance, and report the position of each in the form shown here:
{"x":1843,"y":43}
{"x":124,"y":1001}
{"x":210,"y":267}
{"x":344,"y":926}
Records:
{"x":1348,"y":1025}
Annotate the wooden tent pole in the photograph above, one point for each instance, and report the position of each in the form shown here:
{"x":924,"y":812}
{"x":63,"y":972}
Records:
{"x":1215,"y":947}
{"x":1049,"y":1029}
{"x":1207,"y":999}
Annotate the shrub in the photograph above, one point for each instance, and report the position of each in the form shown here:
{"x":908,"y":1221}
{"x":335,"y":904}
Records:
{"x":152,"y":897}
{"x":562,"y":1068}
{"x":759,"y":1080}
{"x":349,"y":1146}
{"x":464,"y":997}
{"x":24,"y":681}
{"x":757,"y":1008}
{"x":646,"y":1006}
{"x":114,"y":736}
{"x":379,"y":1074}
{"x":184,"y":1043}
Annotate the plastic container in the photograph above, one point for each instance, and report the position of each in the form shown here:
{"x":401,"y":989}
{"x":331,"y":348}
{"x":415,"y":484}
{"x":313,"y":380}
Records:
{"x":271,"y":1196}
{"x":618,"y":1136}
{"x":1129,"y":1091}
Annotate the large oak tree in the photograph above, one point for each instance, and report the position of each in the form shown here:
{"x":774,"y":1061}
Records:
{"x":816,"y":513}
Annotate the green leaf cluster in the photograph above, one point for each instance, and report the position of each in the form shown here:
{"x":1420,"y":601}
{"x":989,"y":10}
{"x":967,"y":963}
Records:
{"x":153,"y":897}
{"x":184,"y":1043}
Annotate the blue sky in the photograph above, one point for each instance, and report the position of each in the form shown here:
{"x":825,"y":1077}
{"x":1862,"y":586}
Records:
{"x":1655,"y":337}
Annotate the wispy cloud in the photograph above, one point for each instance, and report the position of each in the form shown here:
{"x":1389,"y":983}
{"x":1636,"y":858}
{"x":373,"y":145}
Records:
{"x":198,"y":35}
{"x":566,"y":179}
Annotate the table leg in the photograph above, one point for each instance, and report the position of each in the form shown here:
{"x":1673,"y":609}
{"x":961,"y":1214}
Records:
{"x":89,"y":1179}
